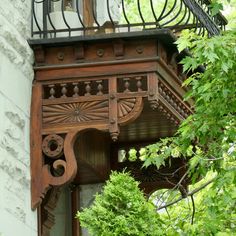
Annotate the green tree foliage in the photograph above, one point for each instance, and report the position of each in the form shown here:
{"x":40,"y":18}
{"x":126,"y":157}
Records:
{"x":171,"y":10}
{"x":208,"y":136}
{"x":227,"y":8}
{"x":209,"y":209}
{"x":121,"y":209}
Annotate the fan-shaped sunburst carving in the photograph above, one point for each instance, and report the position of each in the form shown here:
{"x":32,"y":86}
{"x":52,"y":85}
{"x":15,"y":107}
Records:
{"x":129,"y":109}
{"x":125,"y":106}
{"x":75,"y":112}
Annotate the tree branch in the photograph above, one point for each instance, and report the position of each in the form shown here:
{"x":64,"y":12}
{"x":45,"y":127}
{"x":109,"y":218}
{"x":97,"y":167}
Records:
{"x":212,"y":159}
{"x":187,"y":195}
{"x":171,"y":174}
{"x":193,"y":209}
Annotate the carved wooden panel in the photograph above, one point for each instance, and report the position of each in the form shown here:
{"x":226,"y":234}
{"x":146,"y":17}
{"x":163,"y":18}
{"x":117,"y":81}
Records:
{"x":125,"y":106}
{"x":75,"y":112}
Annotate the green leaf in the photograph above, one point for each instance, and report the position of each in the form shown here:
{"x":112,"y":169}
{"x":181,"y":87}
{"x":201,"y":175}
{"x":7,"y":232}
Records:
{"x":215,"y":8}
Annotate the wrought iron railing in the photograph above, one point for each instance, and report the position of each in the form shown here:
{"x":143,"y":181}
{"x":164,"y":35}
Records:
{"x":68,"y":18}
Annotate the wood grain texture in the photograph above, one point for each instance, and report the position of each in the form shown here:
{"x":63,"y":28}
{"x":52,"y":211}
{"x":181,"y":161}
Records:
{"x":41,"y":173}
{"x":129,"y":110}
{"x":75,"y":200}
{"x":88,"y":14}
{"x":36,"y":161}
{"x":92,"y":155}
{"x":75,"y":112}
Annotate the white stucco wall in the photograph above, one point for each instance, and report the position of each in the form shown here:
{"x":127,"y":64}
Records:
{"x":16,"y":75}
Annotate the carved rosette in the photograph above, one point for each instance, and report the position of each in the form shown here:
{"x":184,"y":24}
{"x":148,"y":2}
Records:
{"x":53,"y":146}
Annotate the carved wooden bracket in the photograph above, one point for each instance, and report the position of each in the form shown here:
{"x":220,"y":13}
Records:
{"x":60,"y":110}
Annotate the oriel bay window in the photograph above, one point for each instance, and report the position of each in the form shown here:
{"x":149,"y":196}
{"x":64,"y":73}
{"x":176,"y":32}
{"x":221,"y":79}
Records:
{"x":107,"y":81}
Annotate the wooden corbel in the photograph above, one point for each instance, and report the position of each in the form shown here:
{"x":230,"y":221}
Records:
{"x":46,"y":172}
{"x":119,"y":49}
{"x":39,"y":55}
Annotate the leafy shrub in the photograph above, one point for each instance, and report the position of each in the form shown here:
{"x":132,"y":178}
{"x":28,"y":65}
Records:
{"x":121,"y":209}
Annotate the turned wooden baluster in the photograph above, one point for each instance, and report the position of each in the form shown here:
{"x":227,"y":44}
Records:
{"x":88,"y":88}
{"x":52,"y":91}
{"x":100,"y":87}
{"x":63,"y":90}
{"x":127,"y":84}
{"x":76,"y":90}
{"x":139,"y":83}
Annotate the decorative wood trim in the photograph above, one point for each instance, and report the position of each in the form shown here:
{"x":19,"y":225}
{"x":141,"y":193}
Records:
{"x":91,"y":91}
{"x":39,"y":54}
{"x":75,"y":112}
{"x":153,"y":93}
{"x":119,"y":49}
{"x":79,"y":53}
{"x":129,"y":110}
{"x":56,"y":121}
{"x":113,"y":109}
{"x":104,"y":68}
{"x":35,"y":144}
{"x":43,"y":178}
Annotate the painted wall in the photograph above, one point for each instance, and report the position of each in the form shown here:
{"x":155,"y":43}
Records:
{"x":16,"y":75}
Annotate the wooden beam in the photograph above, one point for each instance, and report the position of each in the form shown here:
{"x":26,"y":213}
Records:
{"x":75,"y":206}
